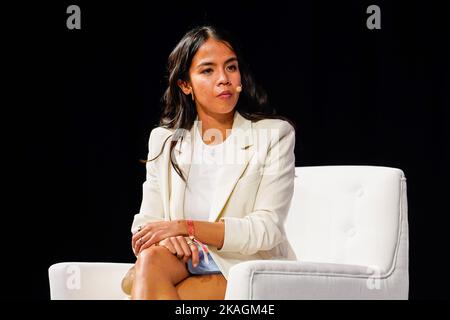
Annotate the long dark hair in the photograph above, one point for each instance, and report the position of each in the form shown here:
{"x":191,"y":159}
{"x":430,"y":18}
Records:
{"x":179,"y":111}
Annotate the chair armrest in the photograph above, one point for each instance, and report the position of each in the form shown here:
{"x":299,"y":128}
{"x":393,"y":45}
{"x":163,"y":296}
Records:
{"x":87,"y":280}
{"x":294,"y":280}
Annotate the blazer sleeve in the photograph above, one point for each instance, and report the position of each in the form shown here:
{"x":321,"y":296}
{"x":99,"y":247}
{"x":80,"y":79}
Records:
{"x":262,"y":228}
{"x":151,"y":206}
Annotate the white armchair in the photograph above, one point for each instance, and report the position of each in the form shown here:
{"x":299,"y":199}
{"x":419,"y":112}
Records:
{"x":348,"y":226}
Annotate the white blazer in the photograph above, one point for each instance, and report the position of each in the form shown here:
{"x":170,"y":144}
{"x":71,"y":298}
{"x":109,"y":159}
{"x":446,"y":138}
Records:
{"x":253,"y":195}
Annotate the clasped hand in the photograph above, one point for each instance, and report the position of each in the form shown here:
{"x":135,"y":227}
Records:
{"x":167,"y":234}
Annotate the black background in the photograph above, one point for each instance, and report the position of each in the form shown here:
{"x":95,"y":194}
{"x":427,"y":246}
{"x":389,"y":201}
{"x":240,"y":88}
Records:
{"x":83,"y":103}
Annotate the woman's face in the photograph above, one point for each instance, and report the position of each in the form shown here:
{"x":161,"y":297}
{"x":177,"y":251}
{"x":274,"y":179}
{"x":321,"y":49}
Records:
{"x":214,"y":75}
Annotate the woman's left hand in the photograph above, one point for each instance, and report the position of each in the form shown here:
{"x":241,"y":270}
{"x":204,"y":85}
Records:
{"x":153,"y":232}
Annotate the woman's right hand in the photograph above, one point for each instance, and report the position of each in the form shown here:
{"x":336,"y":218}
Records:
{"x":179,"y":245}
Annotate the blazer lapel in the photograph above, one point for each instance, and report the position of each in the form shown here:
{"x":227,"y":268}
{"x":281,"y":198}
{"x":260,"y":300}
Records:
{"x":183,"y":155}
{"x":236,"y":160}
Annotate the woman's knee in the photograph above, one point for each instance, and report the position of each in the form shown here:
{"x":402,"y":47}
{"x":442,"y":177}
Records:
{"x":162,"y":261}
{"x":151,"y":256}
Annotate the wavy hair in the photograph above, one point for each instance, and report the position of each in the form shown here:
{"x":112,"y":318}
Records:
{"x":179,"y":111}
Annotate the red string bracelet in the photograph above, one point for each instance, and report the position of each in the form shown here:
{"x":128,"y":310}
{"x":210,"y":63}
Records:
{"x":191,"y":232}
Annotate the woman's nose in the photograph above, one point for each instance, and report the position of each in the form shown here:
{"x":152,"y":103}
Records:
{"x":223,"y":78}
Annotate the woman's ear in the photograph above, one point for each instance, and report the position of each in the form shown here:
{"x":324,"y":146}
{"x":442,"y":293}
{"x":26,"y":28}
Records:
{"x":184,"y":86}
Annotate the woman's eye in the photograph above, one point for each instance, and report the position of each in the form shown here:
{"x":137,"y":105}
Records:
{"x":232,"y":68}
{"x":206,"y":71}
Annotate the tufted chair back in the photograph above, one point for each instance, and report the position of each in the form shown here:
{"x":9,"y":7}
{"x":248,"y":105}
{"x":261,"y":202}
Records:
{"x":350,"y":215}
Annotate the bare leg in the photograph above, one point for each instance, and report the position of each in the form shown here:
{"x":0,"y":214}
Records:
{"x":157,"y":273}
{"x":203,"y":287}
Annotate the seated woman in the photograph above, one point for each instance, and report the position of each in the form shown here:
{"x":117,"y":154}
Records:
{"x":220,"y":176}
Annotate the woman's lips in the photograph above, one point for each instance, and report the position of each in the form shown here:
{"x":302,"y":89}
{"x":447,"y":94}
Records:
{"x":225,"y":95}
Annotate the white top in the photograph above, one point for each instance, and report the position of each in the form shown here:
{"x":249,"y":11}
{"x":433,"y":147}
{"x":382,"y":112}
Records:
{"x":201,"y":182}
